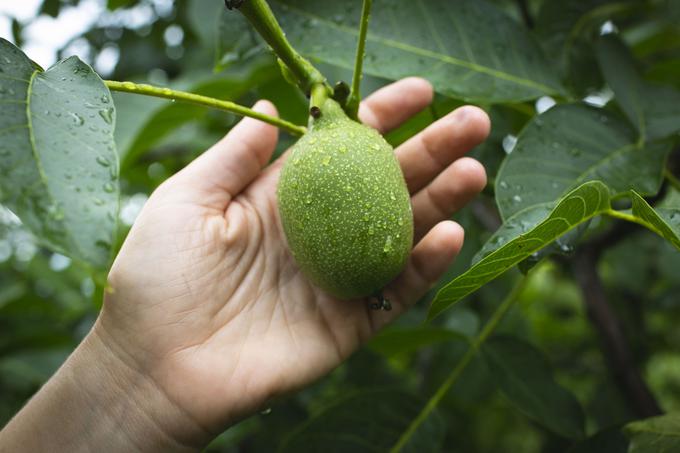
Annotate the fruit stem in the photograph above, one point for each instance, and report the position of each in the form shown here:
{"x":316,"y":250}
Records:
{"x":354,"y":99}
{"x":174,"y":95}
{"x":260,"y":16}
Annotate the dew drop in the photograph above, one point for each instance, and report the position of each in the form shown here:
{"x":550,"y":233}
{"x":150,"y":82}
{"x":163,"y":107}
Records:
{"x":566,"y":248}
{"x":387,"y":248}
{"x":107,"y":115}
{"x":516,"y":199}
{"x":55,"y":212}
{"x":103,"y":161}
{"x":77,"y":119}
{"x":503,"y":185}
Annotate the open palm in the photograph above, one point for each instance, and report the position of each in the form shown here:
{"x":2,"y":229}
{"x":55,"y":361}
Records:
{"x":206,"y":299}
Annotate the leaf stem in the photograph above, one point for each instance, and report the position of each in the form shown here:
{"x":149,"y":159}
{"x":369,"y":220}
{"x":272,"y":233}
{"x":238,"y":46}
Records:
{"x":632,"y":218}
{"x":260,"y":16}
{"x":355,"y":95}
{"x":479,"y":340}
{"x":192,"y":98}
{"x":672,"y":179}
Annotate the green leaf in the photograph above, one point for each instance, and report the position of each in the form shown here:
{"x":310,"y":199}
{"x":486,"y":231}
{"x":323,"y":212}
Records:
{"x":653,"y":435}
{"x":566,"y":30}
{"x":663,"y":221}
{"x":569,"y":145}
{"x":58,"y":165}
{"x":653,"y":109}
{"x":581,"y":204}
{"x":236,"y":38}
{"x":435,"y":39}
{"x":398,"y":340}
{"x":367,"y":421}
{"x":525,"y":377}
{"x":610,"y":440}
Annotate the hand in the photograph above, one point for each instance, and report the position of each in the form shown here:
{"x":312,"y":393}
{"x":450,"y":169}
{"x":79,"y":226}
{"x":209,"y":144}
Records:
{"x":206,"y":306}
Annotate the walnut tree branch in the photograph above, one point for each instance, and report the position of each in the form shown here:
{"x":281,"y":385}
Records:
{"x":613,"y":342}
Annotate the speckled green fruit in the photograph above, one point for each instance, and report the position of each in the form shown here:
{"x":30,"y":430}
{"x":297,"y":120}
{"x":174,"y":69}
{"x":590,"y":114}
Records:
{"x":345,"y":207}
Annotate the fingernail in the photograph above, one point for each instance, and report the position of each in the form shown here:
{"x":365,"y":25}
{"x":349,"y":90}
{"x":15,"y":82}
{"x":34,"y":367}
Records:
{"x":461,"y":113}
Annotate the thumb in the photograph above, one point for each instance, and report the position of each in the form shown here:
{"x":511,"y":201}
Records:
{"x":229,"y":166}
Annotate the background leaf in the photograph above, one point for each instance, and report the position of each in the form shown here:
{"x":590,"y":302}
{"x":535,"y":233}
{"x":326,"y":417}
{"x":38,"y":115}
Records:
{"x":393,"y":341}
{"x":435,"y":39}
{"x":653,"y":435}
{"x":567,"y":29}
{"x":569,"y":145}
{"x":59,"y":167}
{"x":525,"y":378}
{"x":653,"y":109}
{"x":367,"y":421}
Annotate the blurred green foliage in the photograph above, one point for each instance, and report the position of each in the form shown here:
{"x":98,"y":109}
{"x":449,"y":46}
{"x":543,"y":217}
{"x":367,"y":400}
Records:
{"x":48,"y":302}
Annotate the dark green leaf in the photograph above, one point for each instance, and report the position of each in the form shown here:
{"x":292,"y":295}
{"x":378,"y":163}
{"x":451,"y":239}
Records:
{"x":579,"y":205}
{"x":58,"y":162}
{"x":524,"y":376}
{"x":663,"y":221}
{"x":654,"y":435}
{"x":653,"y":109}
{"x":569,"y":145}
{"x":397,"y":340}
{"x":567,"y":29}
{"x":436,"y":39}
{"x":236,"y":39}
{"x":610,"y":440}
{"x":367,"y":421}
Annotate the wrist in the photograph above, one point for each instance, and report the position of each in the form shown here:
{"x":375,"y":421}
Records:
{"x":123,"y":398}
{"x":98,"y":402}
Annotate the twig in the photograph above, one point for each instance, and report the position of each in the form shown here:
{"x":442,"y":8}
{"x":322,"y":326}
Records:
{"x":167,"y":93}
{"x":526,"y":14}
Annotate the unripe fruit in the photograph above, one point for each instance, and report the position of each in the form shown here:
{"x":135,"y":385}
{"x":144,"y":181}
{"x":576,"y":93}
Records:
{"x":345,"y":207}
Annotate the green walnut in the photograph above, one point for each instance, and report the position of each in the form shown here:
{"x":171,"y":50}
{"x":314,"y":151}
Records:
{"x":345,"y":207}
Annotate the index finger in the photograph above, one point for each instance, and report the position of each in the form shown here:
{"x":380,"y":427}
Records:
{"x":392,"y":105}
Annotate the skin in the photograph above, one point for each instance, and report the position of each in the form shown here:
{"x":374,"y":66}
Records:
{"x":208,"y":318}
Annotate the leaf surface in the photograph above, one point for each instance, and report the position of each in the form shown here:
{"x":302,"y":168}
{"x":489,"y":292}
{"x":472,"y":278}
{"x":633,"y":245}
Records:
{"x":58,"y":164}
{"x":435,"y":39}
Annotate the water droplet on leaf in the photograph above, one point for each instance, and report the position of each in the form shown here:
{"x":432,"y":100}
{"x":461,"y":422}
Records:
{"x":107,"y":115}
